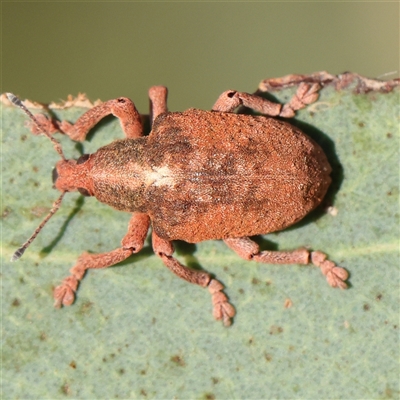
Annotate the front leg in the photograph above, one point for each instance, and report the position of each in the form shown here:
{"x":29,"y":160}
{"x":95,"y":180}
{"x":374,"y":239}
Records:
{"x":133,"y":241}
{"x":222,"y":308}
{"x":122,"y":108}
{"x":231,"y":99}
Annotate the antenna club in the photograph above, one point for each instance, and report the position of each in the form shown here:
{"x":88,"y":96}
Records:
{"x":14,"y":99}
{"x":18,"y":254}
{"x":17,"y":102}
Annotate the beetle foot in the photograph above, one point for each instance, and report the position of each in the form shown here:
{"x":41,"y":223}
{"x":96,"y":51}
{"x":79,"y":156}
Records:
{"x":74,"y":134}
{"x":306,"y":94}
{"x":44,"y":124}
{"x":64,"y":294}
{"x":336,"y":276}
{"x":222,"y":308}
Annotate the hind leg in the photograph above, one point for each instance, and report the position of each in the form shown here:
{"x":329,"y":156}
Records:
{"x":231,"y":99}
{"x":249,"y":250}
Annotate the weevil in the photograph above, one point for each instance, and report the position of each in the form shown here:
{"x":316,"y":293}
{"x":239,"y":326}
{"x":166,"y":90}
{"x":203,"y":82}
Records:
{"x":199,"y":175}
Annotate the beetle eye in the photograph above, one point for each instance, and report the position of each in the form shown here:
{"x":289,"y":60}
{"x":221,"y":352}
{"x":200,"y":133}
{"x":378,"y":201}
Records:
{"x":54,"y":175}
{"x":84,"y":192}
{"x":83,"y":158}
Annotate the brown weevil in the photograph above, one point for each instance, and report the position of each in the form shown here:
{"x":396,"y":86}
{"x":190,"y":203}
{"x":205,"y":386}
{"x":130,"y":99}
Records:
{"x":198,"y":175}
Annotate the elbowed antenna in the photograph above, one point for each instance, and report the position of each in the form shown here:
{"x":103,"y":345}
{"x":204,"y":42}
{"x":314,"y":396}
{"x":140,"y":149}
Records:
{"x":17,"y":102}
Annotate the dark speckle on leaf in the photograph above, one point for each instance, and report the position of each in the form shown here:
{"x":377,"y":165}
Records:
{"x":268,"y":357}
{"x":16,"y":303}
{"x":178,"y":360}
{"x":65,"y":389}
{"x":6,"y":212}
{"x":275,"y":330}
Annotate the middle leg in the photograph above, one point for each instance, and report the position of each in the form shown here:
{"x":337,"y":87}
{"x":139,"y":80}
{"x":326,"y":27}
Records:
{"x":158,"y":101}
{"x":222,"y":308}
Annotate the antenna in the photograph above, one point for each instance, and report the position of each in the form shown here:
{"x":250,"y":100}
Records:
{"x":17,"y":102}
{"x":56,"y":205}
{"x":18,"y":254}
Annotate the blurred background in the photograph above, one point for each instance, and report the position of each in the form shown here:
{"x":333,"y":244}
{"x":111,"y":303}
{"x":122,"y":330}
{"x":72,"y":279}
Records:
{"x":111,"y":49}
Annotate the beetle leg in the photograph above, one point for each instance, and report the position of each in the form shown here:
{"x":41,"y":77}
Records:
{"x":336,"y":276}
{"x":249,"y":250}
{"x":158,"y":101}
{"x":231,"y":99}
{"x":305,"y":94}
{"x":133,"y":241}
{"x":46,"y":124}
{"x":222,"y":308}
{"x":122,"y":108}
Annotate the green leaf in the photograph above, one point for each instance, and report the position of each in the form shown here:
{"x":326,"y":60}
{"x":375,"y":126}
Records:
{"x":137,"y":331}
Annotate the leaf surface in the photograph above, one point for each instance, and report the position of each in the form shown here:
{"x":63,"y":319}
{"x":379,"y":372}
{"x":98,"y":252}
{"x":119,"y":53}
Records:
{"x":137,"y":331}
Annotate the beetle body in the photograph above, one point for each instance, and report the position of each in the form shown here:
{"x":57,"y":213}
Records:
{"x":248,"y":175}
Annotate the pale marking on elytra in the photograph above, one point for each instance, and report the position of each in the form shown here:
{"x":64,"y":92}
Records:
{"x":159,"y":176}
